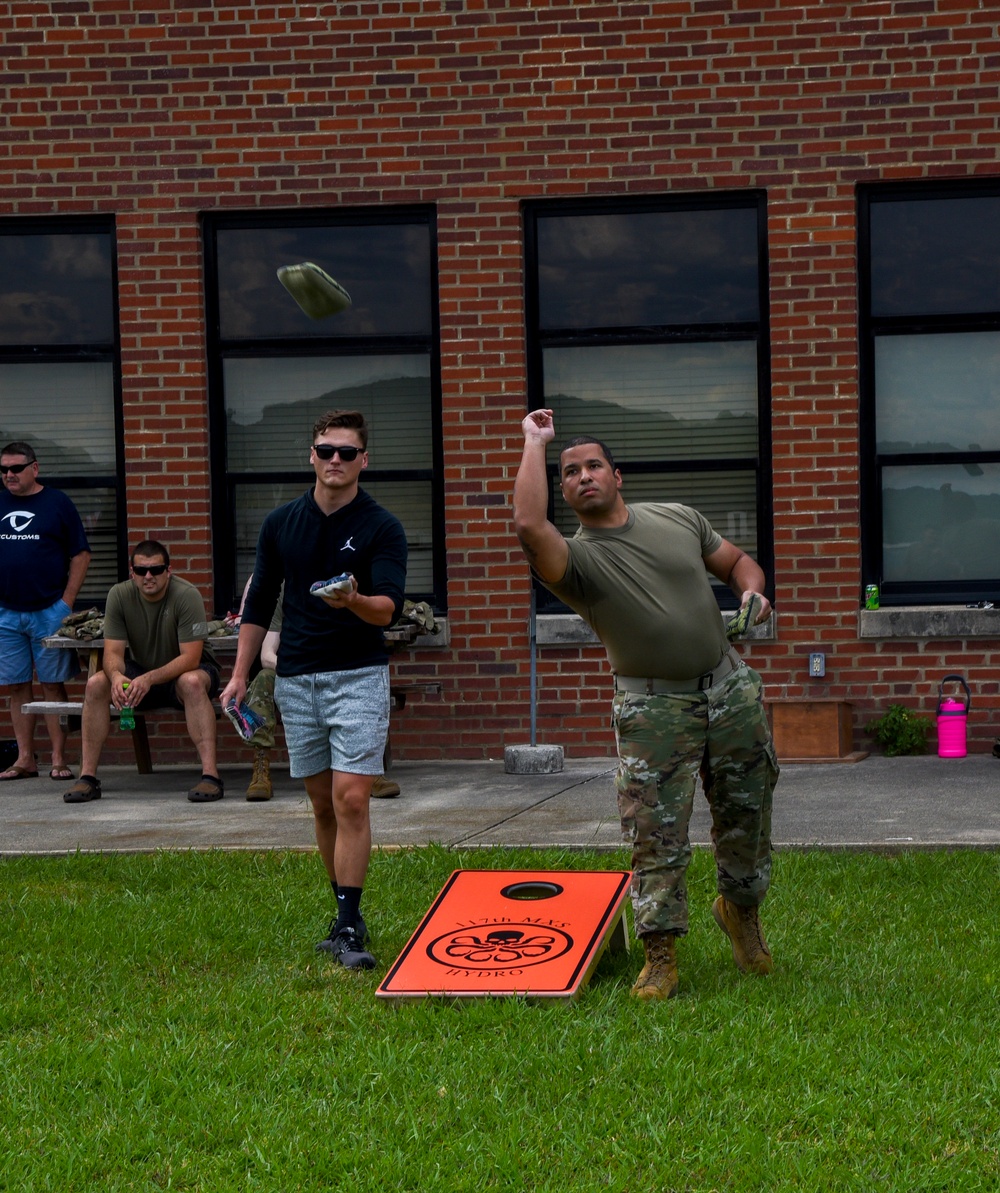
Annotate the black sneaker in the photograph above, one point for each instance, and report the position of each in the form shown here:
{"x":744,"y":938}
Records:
{"x":347,"y":945}
{"x":326,"y":946}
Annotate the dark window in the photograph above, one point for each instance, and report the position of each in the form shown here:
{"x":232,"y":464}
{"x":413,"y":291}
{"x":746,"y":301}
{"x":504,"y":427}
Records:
{"x":930,"y":382}
{"x":647,"y":268}
{"x":647,"y":328}
{"x":60,"y":374}
{"x":934,"y":255}
{"x":274,"y":371}
{"x":387,"y":268}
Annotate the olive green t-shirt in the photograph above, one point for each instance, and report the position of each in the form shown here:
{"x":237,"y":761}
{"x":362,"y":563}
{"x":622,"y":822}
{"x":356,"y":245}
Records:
{"x":154,"y":630}
{"x":644,"y":589}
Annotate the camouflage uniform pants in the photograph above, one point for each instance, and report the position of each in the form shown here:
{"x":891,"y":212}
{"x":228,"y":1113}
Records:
{"x":664,"y":742}
{"x":260,"y":697}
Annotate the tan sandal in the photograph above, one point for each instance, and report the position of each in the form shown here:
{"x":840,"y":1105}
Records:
{"x":83,"y":791}
{"x":206,"y":791}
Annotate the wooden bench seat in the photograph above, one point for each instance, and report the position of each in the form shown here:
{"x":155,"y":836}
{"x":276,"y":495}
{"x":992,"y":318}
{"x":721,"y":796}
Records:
{"x":70,"y":713}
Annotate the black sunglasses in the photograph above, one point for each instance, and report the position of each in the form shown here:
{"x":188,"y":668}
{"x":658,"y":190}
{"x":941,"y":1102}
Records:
{"x":19,"y":468}
{"x":154,"y":569}
{"x":326,"y":451}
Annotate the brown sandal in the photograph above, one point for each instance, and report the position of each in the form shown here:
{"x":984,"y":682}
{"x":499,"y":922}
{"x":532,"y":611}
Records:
{"x":83,"y":791}
{"x":206,"y":791}
{"x":12,"y":773}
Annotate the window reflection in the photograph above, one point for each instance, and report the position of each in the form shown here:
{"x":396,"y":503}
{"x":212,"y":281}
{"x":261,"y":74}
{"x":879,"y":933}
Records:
{"x":938,"y":392}
{"x":55,"y":288}
{"x":271,"y":405}
{"x":65,"y":410}
{"x":648,"y":268}
{"x":658,"y":401}
{"x":941,"y":524}
{"x":935,"y":255}
{"x":385,"y":269}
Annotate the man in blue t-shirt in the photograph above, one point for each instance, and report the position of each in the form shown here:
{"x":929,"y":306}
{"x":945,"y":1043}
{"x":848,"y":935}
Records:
{"x":44,"y":556}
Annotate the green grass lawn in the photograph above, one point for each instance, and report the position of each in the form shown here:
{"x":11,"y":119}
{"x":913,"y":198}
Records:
{"x":166,"y":1024}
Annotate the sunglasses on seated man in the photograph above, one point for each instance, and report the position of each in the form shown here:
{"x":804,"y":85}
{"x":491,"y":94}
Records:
{"x":17,"y":469}
{"x":326,"y":451}
{"x":154,"y":569}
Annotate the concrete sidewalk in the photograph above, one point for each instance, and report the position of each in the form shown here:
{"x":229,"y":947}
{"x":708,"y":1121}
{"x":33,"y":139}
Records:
{"x":878,"y":803}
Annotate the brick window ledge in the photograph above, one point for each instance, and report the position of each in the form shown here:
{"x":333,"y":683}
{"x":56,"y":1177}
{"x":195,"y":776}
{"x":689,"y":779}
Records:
{"x":929,"y":621}
{"x":568,"y":629}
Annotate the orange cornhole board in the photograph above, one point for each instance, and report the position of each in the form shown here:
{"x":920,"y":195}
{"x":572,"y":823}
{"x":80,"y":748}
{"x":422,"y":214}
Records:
{"x":538,"y":933}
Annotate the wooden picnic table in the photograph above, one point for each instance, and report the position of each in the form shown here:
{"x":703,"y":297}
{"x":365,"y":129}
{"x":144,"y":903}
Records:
{"x":395,"y":638}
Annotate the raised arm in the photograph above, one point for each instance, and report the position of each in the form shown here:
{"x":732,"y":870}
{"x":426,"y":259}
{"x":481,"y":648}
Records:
{"x":543,"y":545}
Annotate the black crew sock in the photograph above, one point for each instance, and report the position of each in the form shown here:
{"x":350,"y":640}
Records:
{"x":348,"y":906}
{"x":333,"y":883}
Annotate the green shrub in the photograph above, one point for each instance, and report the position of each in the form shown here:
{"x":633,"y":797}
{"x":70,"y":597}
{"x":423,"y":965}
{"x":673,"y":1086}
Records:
{"x":900,"y":731}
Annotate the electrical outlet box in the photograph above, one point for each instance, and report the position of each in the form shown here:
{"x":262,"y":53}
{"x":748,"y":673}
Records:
{"x":817,"y":664}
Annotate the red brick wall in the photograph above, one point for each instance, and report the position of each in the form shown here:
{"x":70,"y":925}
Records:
{"x":160,"y":110}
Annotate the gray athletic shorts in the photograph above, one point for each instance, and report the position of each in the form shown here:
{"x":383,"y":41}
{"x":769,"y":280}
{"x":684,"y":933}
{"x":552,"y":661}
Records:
{"x":335,"y":720}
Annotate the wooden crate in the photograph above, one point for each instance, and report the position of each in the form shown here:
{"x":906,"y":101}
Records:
{"x":814,"y":730}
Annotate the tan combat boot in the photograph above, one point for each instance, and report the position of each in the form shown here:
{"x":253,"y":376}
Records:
{"x":260,"y":782}
{"x":384,"y":787}
{"x":658,"y":978}
{"x":742,"y":926}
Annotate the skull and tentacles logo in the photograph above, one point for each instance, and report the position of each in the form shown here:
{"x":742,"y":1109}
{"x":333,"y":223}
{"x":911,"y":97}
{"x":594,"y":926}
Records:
{"x":499,"y":946}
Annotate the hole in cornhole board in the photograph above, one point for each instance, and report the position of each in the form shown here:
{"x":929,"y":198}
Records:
{"x":538,"y":934}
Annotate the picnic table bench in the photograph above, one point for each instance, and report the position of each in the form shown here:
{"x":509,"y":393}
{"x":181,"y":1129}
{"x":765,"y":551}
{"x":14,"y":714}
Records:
{"x":70,"y":712}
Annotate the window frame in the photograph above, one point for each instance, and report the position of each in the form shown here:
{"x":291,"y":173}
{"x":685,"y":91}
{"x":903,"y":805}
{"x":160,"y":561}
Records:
{"x":872,"y":462}
{"x":227,"y":584}
{"x":102,"y":352}
{"x":756,"y":331}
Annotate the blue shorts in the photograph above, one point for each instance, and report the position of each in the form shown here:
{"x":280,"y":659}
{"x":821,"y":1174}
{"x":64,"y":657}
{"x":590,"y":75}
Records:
{"x":335,"y":720}
{"x":22,"y":649}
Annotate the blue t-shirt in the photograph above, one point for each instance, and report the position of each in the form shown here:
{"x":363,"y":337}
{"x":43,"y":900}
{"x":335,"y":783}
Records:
{"x":39,"y":535}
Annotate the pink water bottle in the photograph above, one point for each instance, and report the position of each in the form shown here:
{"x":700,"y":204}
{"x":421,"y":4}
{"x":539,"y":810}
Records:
{"x":952,"y":720}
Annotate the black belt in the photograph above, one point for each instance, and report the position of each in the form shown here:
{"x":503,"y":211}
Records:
{"x":658,"y":687}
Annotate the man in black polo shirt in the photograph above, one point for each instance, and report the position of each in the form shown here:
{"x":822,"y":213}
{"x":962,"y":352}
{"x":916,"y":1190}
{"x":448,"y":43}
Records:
{"x":332,"y":684}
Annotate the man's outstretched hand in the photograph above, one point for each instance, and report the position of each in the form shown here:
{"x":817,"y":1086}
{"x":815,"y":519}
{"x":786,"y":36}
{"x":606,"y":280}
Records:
{"x":539,"y":427}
